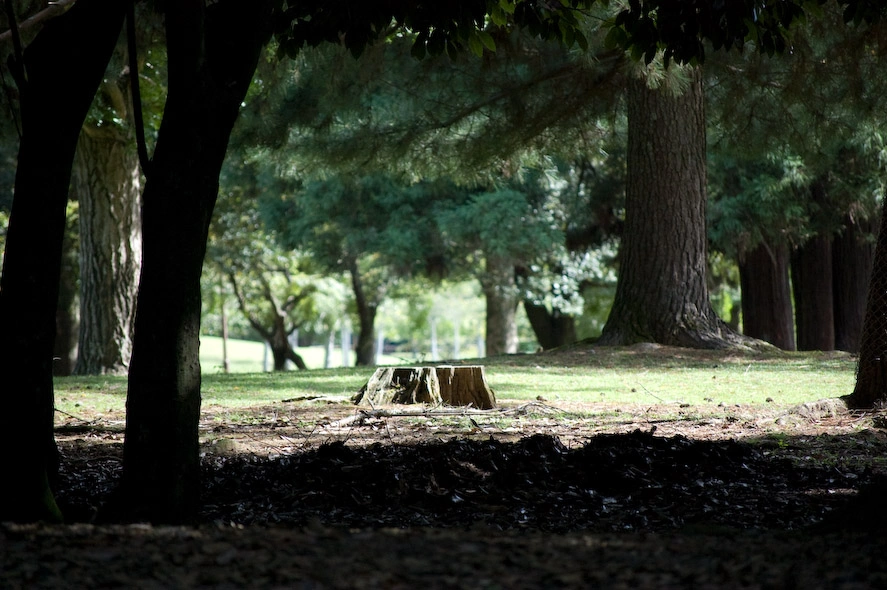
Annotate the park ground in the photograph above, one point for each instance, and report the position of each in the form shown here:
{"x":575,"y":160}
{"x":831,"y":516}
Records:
{"x":643,"y":467}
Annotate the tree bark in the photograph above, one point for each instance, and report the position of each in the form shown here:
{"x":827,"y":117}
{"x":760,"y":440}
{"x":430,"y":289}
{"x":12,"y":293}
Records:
{"x":67,"y":318}
{"x":366,"y":317}
{"x":661,"y":292}
{"x":871,"y":374}
{"x":852,"y":257}
{"x":500,"y":291}
{"x":811,"y":271}
{"x":107,"y":184}
{"x":64,"y":66}
{"x":552,"y":328}
{"x":766,"y":296}
{"x":213,"y":51}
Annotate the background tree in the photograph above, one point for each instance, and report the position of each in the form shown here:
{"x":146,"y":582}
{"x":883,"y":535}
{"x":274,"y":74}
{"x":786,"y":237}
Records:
{"x":107,"y":183}
{"x":662,"y":294}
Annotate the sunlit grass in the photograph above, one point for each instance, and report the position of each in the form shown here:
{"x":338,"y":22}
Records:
{"x":622,"y":377}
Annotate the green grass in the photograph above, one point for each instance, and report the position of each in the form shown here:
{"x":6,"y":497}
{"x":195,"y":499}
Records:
{"x":621,"y":376}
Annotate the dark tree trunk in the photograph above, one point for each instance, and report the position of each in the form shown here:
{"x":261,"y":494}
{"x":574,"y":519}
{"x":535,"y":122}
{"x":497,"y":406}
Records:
{"x":766,"y":296}
{"x":64,"y":66}
{"x":811,"y":270}
{"x":282,"y":350}
{"x":107,"y":184}
{"x":213,"y":51}
{"x":852,"y":256}
{"x":552,"y":328}
{"x":661,"y":293}
{"x":67,"y":320}
{"x":500,"y":291}
{"x":366,"y":317}
{"x":871,"y":374}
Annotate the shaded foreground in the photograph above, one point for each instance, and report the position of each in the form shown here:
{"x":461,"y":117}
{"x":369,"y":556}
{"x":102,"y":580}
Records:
{"x":619,"y":510}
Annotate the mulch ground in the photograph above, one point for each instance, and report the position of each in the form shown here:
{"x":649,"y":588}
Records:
{"x":632,"y":510}
{"x":308,"y":498}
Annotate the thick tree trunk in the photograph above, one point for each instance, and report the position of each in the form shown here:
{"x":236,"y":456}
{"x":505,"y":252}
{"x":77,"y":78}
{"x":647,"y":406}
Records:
{"x":213,"y":51}
{"x":661,"y":293}
{"x":811,"y":270}
{"x":852,"y":256}
{"x":64,"y":66}
{"x":501,"y":294}
{"x":107,"y":184}
{"x":552,"y":328}
{"x":67,"y":318}
{"x":444,"y":384}
{"x":871,"y":374}
{"x":766,"y":296}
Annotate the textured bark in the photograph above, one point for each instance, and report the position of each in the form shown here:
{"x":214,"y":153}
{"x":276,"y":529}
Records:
{"x":811,"y":271}
{"x":445,"y":384}
{"x":213,"y":51}
{"x":64,"y":353}
{"x":552,"y":328}
{"x":852,"y":257}
{"x":871,"y":375}
{"x":106,"y":182}
{"x":500,"y":293}
{"x":64,"y":66}
{"x":661,"y":293}
{"x":766,"y":296}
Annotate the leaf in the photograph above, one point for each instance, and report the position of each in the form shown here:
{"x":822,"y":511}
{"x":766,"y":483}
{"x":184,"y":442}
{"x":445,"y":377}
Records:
{"x":487,"y":40}
{"x":475,"y":45}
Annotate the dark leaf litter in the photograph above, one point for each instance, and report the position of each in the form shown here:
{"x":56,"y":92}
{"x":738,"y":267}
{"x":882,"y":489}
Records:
{"x":614,"y":482}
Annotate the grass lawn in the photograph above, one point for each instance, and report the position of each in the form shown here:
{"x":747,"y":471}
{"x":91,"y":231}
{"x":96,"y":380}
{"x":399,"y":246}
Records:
{"x":585,"y":376}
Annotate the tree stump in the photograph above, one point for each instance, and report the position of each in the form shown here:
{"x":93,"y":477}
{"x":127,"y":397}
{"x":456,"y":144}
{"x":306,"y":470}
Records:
{"x":446,"y":384}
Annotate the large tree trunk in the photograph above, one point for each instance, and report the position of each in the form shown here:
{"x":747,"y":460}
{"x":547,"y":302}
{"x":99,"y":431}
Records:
{"x":852,"y":256}
{"x":661,"y":293}
{"x":766,"y":296}
{"x":213,"y":51}
{"x":67,"y":321}
{"x":107,"y":184}
{"x":552,"y":328}
{"x":501,"y":294}
{"x":64,"y":66}
{"x":811,"y":271}
{"x":871,"y":374}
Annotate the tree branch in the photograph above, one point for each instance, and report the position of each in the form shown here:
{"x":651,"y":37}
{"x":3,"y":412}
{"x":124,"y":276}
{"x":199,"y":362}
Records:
{"x":53,"y":10}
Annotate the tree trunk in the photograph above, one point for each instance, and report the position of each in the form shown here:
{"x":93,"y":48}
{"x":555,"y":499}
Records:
{"x":552,"y":328}
{"x":500,"y":292}
{"x":107,"y":184}
{"x":366,"y":317}
{"x":871,"y":374}
{"x":661,"y":293}
{"x":64,"y":66}
{"x":282,"y":350}
{"x":766,"y":296}
{"x":66,"y":320}
{"x":811,"y":271}
{"x":213,"y":51}
{"x":444,"y":384}
{"x":852,"y":257}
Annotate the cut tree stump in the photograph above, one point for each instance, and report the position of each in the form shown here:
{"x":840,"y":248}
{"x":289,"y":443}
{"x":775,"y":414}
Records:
{"x":445,"y":384}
